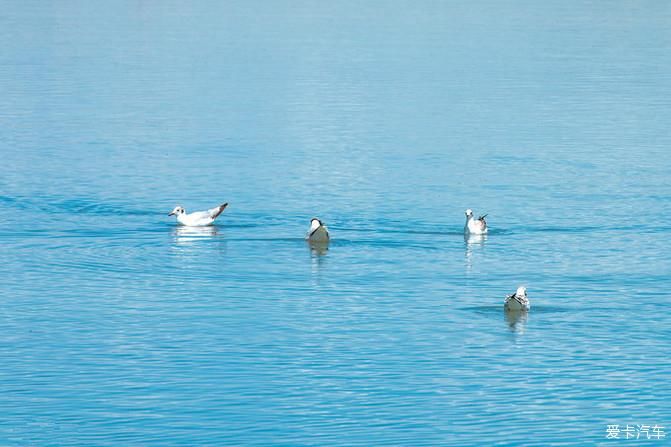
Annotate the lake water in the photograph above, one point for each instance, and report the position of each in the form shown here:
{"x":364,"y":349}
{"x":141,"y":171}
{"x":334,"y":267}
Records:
{"x":386,"y":120}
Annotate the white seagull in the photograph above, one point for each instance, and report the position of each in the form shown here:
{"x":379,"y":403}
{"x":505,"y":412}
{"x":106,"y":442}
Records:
{"x":475,"y":226}
{"x":199,"y":218}
{"x":518,"y":301}
{"x":317,"y":232}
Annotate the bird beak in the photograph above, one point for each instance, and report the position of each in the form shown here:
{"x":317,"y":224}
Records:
{"x":172,"y":213}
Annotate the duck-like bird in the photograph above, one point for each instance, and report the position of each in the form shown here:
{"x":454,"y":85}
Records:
{"x":317,"y":232}
{"x":198,"y":218}
{"x":475,"y":226}
{"x":518,"y":301}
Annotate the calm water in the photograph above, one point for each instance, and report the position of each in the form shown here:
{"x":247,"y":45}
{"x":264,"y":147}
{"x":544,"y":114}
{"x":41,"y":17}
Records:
{"x":385,"y":119}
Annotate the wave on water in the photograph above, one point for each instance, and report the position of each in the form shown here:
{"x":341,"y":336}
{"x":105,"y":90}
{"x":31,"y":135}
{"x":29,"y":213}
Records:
{"x":80,"y":205}
{"x":242,"y":220}
{"x":498,"y":308}
{"x":588,"y":229}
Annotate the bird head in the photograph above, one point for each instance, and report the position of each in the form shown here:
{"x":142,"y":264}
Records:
{"x":177,"y":211}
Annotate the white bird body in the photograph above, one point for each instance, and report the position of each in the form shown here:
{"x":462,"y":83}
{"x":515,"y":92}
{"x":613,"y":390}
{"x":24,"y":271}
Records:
{"x":317,"y":232}
{"x":473,"y":225}
{"x":518,"y":301}
{"x":198,"y":218}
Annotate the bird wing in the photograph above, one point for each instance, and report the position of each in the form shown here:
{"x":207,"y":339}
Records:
{"x":482,"y":222}
{"x":197,"y":219}
{"x":215,"y":212}
{"x":311,"y":232}
{"x":513,"y":296}
{"x":197,"y":215}
{"x":324,"y":233}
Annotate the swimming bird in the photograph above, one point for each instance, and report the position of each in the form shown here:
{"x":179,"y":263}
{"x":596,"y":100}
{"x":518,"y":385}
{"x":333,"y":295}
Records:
{"x":317,"y":232}
{"x":198,"y":218}
{"x":475,"y":226}
{"x":518,"y":301}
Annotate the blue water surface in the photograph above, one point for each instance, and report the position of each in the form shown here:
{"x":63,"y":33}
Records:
{"x":386,"y":120}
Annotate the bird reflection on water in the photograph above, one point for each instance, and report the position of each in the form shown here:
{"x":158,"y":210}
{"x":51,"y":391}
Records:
{"x":473,"y":242}
{"x":516,"y":320}
{"x":471,"y":239}
{"x":318,"y":251}
{"x":318,"y":248}
{"x":188,"y":235}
